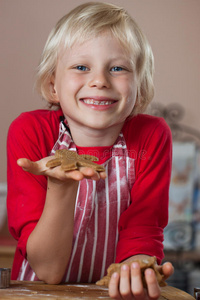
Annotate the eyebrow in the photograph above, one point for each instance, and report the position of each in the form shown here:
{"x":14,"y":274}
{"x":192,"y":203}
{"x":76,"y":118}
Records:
{"x":110,"y":59}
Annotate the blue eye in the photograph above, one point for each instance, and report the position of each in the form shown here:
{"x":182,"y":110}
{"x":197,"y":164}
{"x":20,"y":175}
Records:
{"x":117,"y":69}
{"x":81,"y":68}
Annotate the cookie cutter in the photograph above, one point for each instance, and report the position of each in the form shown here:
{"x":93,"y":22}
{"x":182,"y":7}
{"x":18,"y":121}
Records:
{"x":4,"y":278}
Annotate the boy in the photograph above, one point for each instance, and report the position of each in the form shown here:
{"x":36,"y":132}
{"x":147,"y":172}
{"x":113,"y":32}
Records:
{"x":97,"y":68}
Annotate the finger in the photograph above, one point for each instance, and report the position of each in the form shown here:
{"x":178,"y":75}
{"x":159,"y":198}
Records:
{"x":99,"y":175}
{"x":167,"y":270}
{"x":125,"y":284}
{"x":152,"y":284}
{"x":89,"y":173}
{"x":31,"y":166}
{"x":92,"y":174}
{"x":24,"y":163}
{"x":103,"y":175}
{"x":114,"y":286}
{"x":77,"y":175}
{"x":136,"y":282}
{"x":58,"y":173}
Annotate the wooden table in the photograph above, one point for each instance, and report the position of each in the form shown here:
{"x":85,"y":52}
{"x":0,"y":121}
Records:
{"x":38,"y":290}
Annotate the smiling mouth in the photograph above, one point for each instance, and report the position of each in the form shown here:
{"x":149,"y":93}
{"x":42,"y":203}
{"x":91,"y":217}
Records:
{"x":98,"y":102}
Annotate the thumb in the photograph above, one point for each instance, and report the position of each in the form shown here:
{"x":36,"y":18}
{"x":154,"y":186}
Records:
{"x":29,"y":166}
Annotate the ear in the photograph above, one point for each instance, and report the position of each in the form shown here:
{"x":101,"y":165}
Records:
{"x":53,"y":92}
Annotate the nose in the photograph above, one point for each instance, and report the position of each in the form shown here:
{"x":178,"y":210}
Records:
{"x":99,"y":79}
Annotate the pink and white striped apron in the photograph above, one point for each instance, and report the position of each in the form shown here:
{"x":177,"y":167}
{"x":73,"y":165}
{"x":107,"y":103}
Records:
{"x":98,"y":209}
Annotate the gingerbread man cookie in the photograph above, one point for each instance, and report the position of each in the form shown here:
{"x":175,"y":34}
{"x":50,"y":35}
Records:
{"x":149,"y":262}
{"x":70,"y":160}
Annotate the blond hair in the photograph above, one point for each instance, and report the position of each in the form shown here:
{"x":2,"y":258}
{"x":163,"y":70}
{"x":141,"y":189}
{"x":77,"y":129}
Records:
{"x":89,"y":20}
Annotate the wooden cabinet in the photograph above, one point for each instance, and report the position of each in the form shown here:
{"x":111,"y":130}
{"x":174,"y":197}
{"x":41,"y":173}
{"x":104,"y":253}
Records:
{"x":6,"y":256}
{"x":182,"y":256}
{"x":7,"y":251}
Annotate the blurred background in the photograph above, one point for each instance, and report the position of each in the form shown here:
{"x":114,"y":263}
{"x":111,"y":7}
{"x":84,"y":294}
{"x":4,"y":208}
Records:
{"x":172,"y":28}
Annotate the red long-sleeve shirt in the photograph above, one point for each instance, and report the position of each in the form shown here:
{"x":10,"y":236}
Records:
{"x":148,"y":140}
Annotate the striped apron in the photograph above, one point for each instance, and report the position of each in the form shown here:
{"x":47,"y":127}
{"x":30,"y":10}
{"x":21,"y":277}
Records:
{"x":99,"y":205}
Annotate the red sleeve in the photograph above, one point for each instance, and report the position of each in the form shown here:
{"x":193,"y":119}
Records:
{"x":32,"y":135}
{"x":141,"y":225}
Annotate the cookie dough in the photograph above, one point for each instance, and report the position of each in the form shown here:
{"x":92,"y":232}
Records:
{"x":70,"y":160}
{"x":149,"y":262}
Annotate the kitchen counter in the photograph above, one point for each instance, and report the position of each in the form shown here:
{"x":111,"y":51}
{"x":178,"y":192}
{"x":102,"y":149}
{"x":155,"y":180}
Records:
{"x":38,"y":290}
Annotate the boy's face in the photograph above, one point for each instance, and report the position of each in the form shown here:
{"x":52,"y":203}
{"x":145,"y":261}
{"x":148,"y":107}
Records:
{"x":95,"y":83}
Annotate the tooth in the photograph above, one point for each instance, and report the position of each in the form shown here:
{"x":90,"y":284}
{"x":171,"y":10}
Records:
{"x":96,"y":102}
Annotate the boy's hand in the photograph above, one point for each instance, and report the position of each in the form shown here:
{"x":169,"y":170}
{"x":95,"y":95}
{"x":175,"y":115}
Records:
{"x":57,"y":173}
{"x":128,"y":284}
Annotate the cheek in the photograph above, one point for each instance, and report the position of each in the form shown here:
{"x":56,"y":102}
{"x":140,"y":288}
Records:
{"x":128,"y":86}
{"x":74,"y":83}
{"x":130,"y":93}
{"x":130,"y":104}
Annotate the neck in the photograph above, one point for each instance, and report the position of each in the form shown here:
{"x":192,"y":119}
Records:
{"x":90,"y":137}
